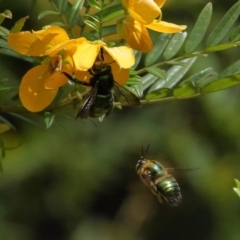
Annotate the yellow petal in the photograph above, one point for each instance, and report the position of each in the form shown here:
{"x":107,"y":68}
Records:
{"x":166,"y":27}
{"x":136,"y":35}
{"x":60,"y":35}
{"x":55,"y":80}
{"x":37,"y":43}
{"x":160,"y":3}
{"x":123,"y":55}
{"x":68,"y":46}
{"x":26,"y":44}
{"x":144,"y":11}
{"x":34,"y":96}
{"x":86,"y":54}
{"x":120,"y":75}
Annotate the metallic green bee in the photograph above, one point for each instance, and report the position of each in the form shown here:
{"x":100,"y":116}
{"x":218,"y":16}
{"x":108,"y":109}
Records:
{"x":157,"y":177}
{"x":104,"y":89}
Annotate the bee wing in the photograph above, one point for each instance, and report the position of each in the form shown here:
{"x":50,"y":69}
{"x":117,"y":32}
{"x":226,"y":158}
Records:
{"x":171,"y":170}
{"x":85,"y":110}
{"x":125,"y":97}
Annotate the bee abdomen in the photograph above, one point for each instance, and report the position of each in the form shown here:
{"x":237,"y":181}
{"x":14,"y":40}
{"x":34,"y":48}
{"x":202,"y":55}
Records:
{"x":169,"y":189}
{"x":102,"y":105}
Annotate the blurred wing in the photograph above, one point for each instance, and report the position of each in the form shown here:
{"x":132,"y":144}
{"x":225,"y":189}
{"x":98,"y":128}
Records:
{"x":85,"y":110}
{"x":171,"y":170}
{"x":125,"y":97}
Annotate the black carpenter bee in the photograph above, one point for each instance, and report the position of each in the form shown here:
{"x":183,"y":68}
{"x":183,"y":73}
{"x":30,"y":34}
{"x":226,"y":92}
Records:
{"x":104,"y":89}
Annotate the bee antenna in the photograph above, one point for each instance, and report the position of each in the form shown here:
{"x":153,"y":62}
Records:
{"x":144,"y":154}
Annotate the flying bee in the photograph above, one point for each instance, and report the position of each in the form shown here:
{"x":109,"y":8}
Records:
{"x":157,"y":177}
{"x":104,"y":89}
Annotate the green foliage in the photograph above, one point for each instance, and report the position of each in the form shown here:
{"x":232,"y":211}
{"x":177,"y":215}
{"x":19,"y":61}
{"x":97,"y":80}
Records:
{"x":237,"y":189}
{"x":165,"y":83}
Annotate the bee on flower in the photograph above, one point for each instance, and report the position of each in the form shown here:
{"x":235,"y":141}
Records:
{"x":76,"y":57}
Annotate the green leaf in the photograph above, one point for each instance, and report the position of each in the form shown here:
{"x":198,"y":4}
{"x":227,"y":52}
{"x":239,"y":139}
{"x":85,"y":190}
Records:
{"x":109,"y":30}
{"x":135,"y":83}
{"x":235,"y":35}
{"x":187,"y":89}
{"x":60,"y":24}
{"x":200,"y":75}
{"x":91,"y":24}
{"x":4,"y":44}
{"x":25,"y":119}
{"x":107,"y":4}
{"x":160,"y":42}
{"x":94,"y":3}
{"x":2,"y":153}
{"x":160,"y":93}
{"x":46,"y":13}
{"x":8,"y":88}
{"x":199,"y":29}
{"x":160,"y":73}
{"x":4,"y":31}
{"x":93,"y":17}
{"x":174,"y":45}
{"x":11,"y":53}
{"x":224,"y":26}
{"x":4,"y":127}
{"x":237,"y":189}
{"x":19,"y":25}
{"x":148,"y":79}
{"x":6,"y":14}
{"x":221,"y":84}
{"x":178,"y":63}
{"x":4,"y":120}
{"x":138,"y":56}
{"x":111,"y":9}
{"x":62,"y":5}
{"x":112,"y":15}
{"x":174,"y":75}
{"x":135,"y":89}
{"x":221,"y":47}
{"x":75,"y":12}
{"x":233,"y":69}
{"x":49,"y":119}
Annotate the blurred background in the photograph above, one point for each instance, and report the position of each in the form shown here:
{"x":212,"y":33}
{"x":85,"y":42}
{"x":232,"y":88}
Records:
{"x":77,"y":180}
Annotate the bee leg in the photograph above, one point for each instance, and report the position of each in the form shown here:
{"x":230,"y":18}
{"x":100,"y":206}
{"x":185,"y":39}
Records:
{"x":146,"y":177}
{"x":159,"y":198}
{"x":75,"y":80}
{"x":154,"y":188}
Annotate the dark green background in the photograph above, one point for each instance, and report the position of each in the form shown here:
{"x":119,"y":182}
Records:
{"x":77,"y":180}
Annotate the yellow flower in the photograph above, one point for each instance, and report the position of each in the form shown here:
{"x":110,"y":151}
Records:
{"x":135,"y":32}
{"x":86,"y":54}
{"x":40,"y":84}
{"x":143,"y":11}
